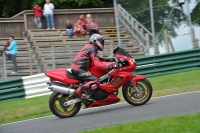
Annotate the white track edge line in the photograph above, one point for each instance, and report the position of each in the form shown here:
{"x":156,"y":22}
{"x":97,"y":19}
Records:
{"x":101,"y":107}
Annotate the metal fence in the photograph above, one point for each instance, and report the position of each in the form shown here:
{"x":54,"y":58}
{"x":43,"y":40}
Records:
{"x":160,"y":19}
{"x":3,"y":70}
{"x":150,"y":66}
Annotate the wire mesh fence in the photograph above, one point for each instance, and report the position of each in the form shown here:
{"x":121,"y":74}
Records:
{"x":158,"y":15}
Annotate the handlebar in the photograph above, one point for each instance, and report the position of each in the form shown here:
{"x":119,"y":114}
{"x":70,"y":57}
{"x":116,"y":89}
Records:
{"x":117,"y":63}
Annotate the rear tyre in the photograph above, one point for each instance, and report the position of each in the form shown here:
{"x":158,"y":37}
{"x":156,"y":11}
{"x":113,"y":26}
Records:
{"x":134,"y":98}
{"x":56,"y":102}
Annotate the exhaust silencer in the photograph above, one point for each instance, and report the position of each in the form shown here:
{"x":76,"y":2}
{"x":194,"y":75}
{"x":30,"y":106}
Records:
{"x":62,"y":89}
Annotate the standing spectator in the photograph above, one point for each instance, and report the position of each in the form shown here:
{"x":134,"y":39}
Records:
{"x":78,"y":29}
{"x":69,"y":28}
{"x":83,"y":21}
{"x":48,"y":13}
{"x":93,"y":27}
{"x":37,"y":10}
{"x":12,"y":52}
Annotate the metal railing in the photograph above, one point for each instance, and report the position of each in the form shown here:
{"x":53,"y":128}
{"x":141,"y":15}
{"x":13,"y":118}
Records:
{"x":137,"y":31}
{"x":150,"y":66}
{"x":3,"y":69}
{"x":25,"y":87}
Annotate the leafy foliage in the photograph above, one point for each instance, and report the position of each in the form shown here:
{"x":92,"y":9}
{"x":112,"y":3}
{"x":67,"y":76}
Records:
{"x":162,"y":9}
{"x":138,"y":8}
{"x":10,"y":8}
{"x":196,"y":15}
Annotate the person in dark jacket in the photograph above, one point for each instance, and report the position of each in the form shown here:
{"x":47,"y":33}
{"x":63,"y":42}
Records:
{"x":93,"y":27}
{"x":37,"y":10}
{"x":7,"y":44}
{"x":69,"y":28}
{"x":85,"y":59}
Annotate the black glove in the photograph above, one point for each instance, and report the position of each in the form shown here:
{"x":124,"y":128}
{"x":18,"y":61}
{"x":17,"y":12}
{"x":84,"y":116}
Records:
{"x":110,"y":68}
{"x":110,"y":60}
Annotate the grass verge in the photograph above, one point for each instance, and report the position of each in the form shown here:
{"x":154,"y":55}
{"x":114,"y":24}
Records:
{"x":38,"y":107}
{"x":179,"y":124}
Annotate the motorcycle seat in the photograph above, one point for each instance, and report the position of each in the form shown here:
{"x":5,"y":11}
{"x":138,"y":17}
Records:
{"x":70,"y":75}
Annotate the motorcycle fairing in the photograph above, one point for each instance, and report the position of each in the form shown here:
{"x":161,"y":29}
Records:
{"x":111,"y":99}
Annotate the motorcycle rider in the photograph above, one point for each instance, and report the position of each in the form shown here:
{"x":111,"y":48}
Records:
{"x":87,"y":57}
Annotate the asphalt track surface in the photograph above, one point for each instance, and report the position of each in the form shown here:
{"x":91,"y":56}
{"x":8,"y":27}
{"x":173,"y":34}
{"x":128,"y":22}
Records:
{"x":180,"y":104}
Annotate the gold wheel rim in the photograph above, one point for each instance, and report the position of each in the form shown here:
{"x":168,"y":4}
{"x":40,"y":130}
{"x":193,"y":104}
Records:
{"x":144,"y":92}
{"x":58,"y":100}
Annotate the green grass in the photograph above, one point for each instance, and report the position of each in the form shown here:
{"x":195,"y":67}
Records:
{"x":175,"y":83}
{"x":38,"y":107}
{"x":179,"y":124}
{"x":24,"y":109}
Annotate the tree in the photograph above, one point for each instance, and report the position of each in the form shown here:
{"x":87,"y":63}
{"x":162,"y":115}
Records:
{"x":10,"y":8}
{"x":140,"y":9}
{"x":195,"y":15}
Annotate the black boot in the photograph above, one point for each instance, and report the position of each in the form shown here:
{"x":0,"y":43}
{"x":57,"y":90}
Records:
{"x":78,"y":93}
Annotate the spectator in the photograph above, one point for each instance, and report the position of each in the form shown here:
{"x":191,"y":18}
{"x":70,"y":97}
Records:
{"x":12,"y":52}
{"x":88,"y":18}
{"x":93,"y":27}
{"x":78,"y":29}
{"x":48,"y":13}
{"x":7,"y":44}
{"x":83,"y":22}
{"x":69,"y":28}
{"x":37,"y":10}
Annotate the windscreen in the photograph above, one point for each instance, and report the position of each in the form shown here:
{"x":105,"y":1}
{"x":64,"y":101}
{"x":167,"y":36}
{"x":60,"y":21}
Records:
{"x":120,"y":51}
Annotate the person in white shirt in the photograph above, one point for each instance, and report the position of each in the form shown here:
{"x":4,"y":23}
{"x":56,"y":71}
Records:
{"x":48,"y":13}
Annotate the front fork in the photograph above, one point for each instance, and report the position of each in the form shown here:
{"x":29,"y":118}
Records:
{"x":134,"y":81}
{"x":135,"y":89}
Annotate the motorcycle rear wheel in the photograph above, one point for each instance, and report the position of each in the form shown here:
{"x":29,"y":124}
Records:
{"x":56,"y":102}
{"x":134,"y":98}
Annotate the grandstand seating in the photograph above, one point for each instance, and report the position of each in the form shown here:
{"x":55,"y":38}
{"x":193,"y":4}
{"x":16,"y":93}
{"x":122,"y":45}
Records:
{"x":126,"y":42}
{"x":45,"y":49}
{"x":24,"y":59}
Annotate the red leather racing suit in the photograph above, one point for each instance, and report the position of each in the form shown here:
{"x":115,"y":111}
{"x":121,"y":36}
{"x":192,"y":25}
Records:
{"x":85,"y":59}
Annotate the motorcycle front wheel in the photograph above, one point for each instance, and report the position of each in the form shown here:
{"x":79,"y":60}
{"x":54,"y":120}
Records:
{"x":56,"y":105}
{"x":137,"y":98}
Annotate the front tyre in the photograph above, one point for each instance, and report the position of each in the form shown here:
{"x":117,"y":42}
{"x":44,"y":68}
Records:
{"x":56,"y":106}
{"x":143,"y":96}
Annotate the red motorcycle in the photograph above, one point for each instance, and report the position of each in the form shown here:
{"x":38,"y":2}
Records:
{"x":136,"y":89}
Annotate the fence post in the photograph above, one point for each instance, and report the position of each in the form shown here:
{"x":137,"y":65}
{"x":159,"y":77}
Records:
{"x":117,"y":22}
{"x":153,"y":28}
{"x":196,"y":45}
{"x":25,"y":21}
{"x":30,"y":62}
{"x":4,"y":66}
{"x":147,"y":43}
{"x":70,"y":56}
{"x":53,"y":57}
{"x":166,"y":40}
{"x":1,"y":68}
{"x":111,"y":49}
